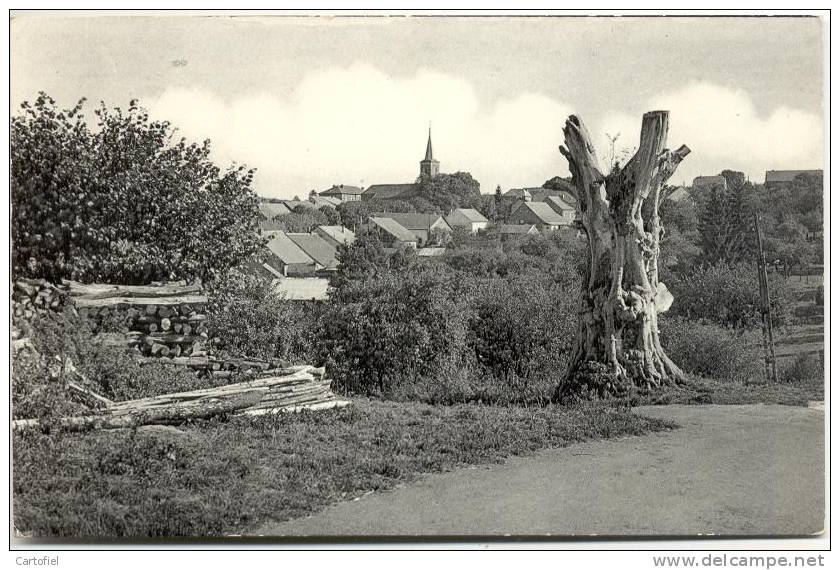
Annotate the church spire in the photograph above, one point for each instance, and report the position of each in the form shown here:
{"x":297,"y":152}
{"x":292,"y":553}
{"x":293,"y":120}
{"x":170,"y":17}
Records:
{"x":429,"y":167}
{"x":429,"y":155}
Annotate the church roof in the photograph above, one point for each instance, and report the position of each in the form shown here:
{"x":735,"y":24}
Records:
{"x":389,"y":191}
{"x":429,"y":154}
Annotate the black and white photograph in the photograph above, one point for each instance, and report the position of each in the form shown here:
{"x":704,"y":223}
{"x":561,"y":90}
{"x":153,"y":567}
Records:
{"x":331,"y":278}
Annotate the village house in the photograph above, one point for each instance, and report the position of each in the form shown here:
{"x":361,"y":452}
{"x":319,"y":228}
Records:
{"x":392,"y":234}
{"x":271,"y":210}
{"x":343,"y":193}
{"x":538,"y":213}
{"x":389,"y":191}
{"x":287,"y":258}
{"x":540,"y":195}
{"x":468,"y":218}
{"x":566,"y":211}
{"x":425,"y":227}
{"x":318,"y":249}
{"x":508,"y":230}
{"x":679,"y":194}
{"x":784,"y":178}
{"x":336,"y":235}
{"x":704,"y":182}
{"x":519,"y":194}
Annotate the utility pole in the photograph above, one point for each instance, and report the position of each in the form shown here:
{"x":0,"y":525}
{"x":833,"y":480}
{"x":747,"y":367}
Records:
{"x":770,"y":373}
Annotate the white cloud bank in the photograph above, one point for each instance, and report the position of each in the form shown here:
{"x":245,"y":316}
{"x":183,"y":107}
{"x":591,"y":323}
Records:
{"x":357,"y":125}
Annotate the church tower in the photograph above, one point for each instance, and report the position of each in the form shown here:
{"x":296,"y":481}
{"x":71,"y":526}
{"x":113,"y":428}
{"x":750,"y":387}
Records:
{"x":429,"y":167}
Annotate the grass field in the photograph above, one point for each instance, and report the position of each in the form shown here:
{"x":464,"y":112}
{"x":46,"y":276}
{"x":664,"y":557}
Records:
{"x":224,"y":476}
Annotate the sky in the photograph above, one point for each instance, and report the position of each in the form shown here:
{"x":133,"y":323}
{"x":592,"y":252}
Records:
{"x":312,"y":101}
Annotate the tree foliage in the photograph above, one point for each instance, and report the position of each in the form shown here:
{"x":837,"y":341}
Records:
{"x":124,"y":201}
{"x":449,"y":191}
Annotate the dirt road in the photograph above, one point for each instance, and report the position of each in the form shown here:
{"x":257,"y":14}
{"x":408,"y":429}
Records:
{"x":731,"y":470}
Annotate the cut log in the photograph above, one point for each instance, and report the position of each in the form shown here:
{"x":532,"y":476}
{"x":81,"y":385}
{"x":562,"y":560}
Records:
{"x":166,"y":415}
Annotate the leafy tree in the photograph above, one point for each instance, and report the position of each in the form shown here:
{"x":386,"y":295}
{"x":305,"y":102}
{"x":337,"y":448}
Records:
{"x":302,"y":220}
{"x":332,"y":217}
{"x":364,"y":258}
{"x":353,"y":214}
{"x":122,"y":202}
{"x":449,"y":191}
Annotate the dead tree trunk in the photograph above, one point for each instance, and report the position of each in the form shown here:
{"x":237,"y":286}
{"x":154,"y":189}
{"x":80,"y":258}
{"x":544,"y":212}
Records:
{"x":618,"y":346}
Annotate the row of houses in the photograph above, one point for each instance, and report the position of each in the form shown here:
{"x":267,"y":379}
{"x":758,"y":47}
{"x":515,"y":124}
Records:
{"x":296,"y":254}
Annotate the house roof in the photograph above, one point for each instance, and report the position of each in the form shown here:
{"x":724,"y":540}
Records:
{"x":557,"y":202}
{"x":338,"y":233}
{"x":544,"y":213}
{"x":317,"y":248}
{"x":292,"y":204}
{"x":302,"y":288}
{"x":707,"y":181}
{"x":321,"y":201}
{"x":518,"y":193}
{"x":470,"y":214}
{"x":540,"y":195}
{"x":389,"y":191}
{"x":412,"y":221}
{"x":287,"y":250}
{"x":340,"y":189}
{"x":787,"y":175}
{"x":431,"y":251}
{"x":515,"y":229}
{"x":394,"y":229}
{"x":679,"y":194}
{"x":271,"y":210}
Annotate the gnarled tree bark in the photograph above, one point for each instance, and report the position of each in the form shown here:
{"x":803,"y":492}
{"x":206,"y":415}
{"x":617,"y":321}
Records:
{"x":618,"y":346}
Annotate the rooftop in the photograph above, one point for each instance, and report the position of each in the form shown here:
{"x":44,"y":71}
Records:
{"x":317,"y":248}
{"x":394,"y":229}
{"x":339,"y":189}
{"x":285,"y":249}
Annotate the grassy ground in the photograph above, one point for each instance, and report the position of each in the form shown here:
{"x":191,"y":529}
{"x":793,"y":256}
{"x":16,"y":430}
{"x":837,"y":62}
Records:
{"x":163,"y":482}
{"x":705,"y":391}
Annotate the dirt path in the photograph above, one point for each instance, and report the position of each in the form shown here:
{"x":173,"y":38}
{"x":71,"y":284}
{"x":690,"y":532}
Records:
{"x":734,"y":470}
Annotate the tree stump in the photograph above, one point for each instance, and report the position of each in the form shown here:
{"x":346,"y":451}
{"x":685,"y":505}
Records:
{"x":618,"y":349}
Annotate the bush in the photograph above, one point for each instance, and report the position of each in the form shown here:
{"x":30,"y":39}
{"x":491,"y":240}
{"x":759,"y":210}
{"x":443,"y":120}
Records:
{"x":709,"y":350}
{"x":249,"y":317}
{"x":727,"y":295}
{"x":522,"y":332}
{"x":801,"y":369}
{"x":393,"y":328}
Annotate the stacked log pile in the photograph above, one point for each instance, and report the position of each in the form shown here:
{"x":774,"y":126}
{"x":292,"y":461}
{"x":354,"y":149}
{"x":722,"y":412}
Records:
{"x":163,"y":320}
{"x":32,"y":296}
{"x":287,"y":390}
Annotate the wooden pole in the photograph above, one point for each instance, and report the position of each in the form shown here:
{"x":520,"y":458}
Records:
{"x":770,"y":372}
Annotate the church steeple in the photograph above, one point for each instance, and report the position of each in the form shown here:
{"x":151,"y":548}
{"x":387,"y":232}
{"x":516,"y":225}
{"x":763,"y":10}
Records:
{"x":429,"y":154}
{"x":429,"y":167}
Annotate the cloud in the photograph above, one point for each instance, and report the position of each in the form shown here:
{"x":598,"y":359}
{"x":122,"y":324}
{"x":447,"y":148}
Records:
{"x":359,"y":125}
{"x":724,"y":130}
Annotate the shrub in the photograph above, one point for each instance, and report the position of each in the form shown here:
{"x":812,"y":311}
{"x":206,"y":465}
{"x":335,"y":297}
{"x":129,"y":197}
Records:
{"x":727,"y":294}
{"x":803,"y":368}
{"x":521,"y":332}
{"x":393,"y":328}
{"x":709,"y":350}
{"x":249,"y":317}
